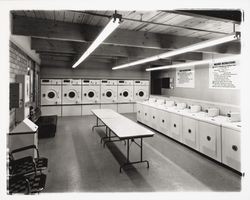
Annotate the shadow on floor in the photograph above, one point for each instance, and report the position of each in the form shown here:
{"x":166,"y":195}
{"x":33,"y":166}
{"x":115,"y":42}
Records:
{"x":131,"y":171}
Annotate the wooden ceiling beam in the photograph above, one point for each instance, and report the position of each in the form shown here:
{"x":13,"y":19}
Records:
{"x":77,"y":48}
{"x":86,"y":33}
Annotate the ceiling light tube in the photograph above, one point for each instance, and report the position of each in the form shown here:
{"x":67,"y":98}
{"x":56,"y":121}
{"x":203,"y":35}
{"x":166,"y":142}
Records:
{"x":195,"y":63}
{"x":201,"y":45}
{"x":194,"y":47}
{"x":138,"y":62}
{"x":109,"y":28}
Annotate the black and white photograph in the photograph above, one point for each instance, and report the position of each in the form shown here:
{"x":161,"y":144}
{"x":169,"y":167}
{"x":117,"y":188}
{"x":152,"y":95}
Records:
{"x":108,"y":101}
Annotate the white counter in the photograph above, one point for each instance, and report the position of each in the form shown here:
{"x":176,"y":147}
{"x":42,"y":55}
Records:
{"x":201,"y":116}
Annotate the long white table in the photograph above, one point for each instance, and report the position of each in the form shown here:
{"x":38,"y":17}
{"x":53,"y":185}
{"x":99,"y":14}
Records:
{"x":102,"y":114}
{"x":124,"y":129}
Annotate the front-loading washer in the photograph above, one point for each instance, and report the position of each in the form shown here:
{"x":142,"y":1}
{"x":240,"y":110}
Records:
{"x":90,"y":91}
{"x":51,"y":97}
{"x":71,"y":97}
{"x":141,"y":91}
{"x":125,"y":96}
{"x":109,"y":94}
{"x":90,"y":95}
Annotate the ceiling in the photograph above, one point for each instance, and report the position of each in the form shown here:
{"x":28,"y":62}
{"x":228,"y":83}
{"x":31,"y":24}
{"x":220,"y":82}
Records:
{"x":62,"y":36}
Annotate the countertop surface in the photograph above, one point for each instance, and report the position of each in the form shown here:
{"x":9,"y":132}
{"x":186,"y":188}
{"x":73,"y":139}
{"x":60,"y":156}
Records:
{"x":201,"y":116}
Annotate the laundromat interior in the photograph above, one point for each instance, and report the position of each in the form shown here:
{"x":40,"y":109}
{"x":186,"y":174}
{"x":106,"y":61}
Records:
{"x":125,"y":101}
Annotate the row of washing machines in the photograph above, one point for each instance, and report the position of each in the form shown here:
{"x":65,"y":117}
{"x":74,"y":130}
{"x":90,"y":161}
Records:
{"x":67,"y":97}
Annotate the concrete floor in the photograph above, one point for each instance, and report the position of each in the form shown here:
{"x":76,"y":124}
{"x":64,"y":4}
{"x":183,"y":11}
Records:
{"x":79,"y":163}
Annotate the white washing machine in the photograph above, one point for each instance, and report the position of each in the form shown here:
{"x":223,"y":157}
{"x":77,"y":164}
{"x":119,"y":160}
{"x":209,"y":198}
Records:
{"x":71,"y":97}
{"x":91,"y":91}
{"x":125,"y":95}
{"x":90,"y":96}
{"x":109,"y":94}
{"x":125,"y":91}
{"x":51,"y":97}
{"x":141,"y":90}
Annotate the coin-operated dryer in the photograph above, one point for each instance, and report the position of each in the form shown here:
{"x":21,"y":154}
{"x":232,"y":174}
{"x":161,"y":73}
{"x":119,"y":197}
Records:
{"x":125,"y":95}
{"x":90,"y":95}
{"x":109,"y":94}
{"x":71,"y":97}
{"x":51,"y":98}
{"x":141,"y":91}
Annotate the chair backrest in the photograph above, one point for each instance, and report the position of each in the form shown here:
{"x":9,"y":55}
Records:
{"x":36,"y":114}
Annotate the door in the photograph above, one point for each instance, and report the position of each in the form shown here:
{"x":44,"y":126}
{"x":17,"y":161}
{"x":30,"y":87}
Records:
{"x":139,"y":112}
{"x":125,"y":93}
{"x":146,"y":116}
{"x":163,"y":122}
{"x":156,"y":86}
{"x":50,"y":95}
{"x":140,"y":93}
{"x":176,"y":127}
{"x":189,"y":132}
{"x":153,"y":117}
{"x":90,"y":94}
{"x":231,"y":148}
{"x":108,"y":94}
{"x":71,"y":94}
{"x":210,"y":140}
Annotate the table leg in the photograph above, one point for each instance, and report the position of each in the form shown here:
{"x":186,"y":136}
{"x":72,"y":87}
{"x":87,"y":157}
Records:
{"x":127,"y":150}
{"x":141,"y":156}
{"x":97,"y":125}
{"x":141,"y":149}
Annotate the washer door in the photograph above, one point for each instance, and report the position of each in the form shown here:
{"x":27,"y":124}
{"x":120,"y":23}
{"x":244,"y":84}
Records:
{"x":51,"y":96}
{"x":91,"y":94}
{"x":109,"y":94}
{"x":124,"y":94}
{"x":141,"y":94}
{"x":72,"y":95}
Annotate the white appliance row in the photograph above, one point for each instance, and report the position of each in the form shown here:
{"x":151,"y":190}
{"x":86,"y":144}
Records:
{"x":118,"y":95}
{"x":216,"y":137}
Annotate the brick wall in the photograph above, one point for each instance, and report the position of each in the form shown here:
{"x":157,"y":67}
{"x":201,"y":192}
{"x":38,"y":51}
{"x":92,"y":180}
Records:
{"x":19,"y":64}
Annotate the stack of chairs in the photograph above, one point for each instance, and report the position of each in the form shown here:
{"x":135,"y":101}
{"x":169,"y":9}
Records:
{"x":26,"y":174}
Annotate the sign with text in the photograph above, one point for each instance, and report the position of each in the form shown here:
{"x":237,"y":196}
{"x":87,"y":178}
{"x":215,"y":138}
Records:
{"x":224,"y":75}
{"x":185,"y":77}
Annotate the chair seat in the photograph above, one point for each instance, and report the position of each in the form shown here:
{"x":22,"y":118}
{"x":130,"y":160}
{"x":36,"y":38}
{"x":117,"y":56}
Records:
{"x":27,"y":184}
{"x":23,"y":165}
{"x":26,"y":164}
{"x":41,"y":163}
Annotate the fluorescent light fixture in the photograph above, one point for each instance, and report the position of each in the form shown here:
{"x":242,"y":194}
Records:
{"x":201,"y":62}
{"x":194,"y":47}
{"x":138,"y":62}
{"x":109,"y":28}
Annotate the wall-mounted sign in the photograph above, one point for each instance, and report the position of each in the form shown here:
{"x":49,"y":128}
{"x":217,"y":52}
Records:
{"x":185,"y":77}
{"x":224,"y":75}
